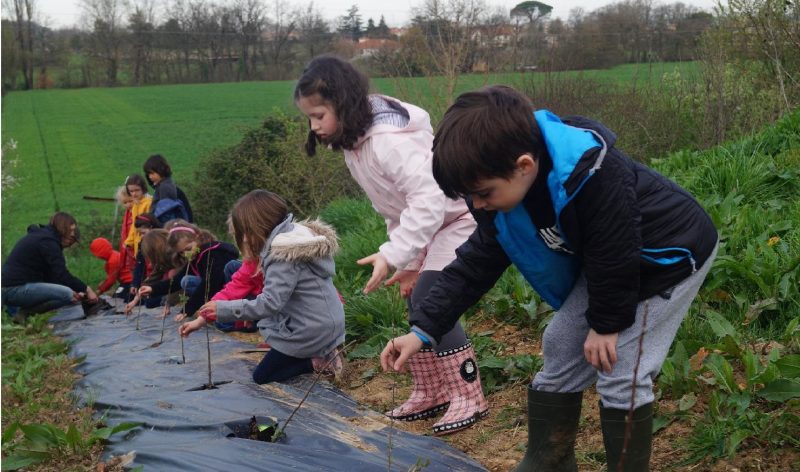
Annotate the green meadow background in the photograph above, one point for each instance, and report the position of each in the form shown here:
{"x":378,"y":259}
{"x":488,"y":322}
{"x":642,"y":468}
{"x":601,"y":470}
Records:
{"x":84,"y":142}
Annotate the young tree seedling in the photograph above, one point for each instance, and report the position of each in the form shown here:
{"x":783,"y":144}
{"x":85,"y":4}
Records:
{"x":337,"y":352}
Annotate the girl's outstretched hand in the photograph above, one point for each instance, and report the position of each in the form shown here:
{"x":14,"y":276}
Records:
{"x":380,"y":269}
{"x":131,"y":305}
{"x":208,"y":311}
{"x":145,"y":290}
{"x":398,"y":350}
{"x":407,"y":280}
{"x":187,"y":328}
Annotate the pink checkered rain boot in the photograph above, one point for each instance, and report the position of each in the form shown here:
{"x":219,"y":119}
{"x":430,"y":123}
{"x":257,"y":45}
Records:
{"x":463,"y":384}
{"x":429,"y":395}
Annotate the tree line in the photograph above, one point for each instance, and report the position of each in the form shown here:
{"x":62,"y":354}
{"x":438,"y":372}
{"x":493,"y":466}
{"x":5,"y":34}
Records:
{"x":178,"y":41}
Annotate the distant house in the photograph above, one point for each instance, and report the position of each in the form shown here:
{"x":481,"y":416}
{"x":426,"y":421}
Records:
{"x":495,"y":36}
{"x":368,"y":47}
{"x":398,"y":32}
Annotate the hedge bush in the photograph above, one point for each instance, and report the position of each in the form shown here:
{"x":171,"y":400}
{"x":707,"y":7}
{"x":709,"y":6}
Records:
{"x":270,"y":157}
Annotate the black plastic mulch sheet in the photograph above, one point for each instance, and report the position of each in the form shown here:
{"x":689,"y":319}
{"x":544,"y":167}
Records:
{"x":128,"y":378}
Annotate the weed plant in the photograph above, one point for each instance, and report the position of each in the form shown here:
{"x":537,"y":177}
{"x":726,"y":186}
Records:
{"x":37,"y":376}
{"x":738,"y":349}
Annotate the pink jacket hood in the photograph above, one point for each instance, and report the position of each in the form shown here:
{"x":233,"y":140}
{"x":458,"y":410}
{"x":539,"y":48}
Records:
{"x":393,"y":166}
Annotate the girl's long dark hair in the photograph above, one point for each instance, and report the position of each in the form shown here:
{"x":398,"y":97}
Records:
{"x":346,"y":90}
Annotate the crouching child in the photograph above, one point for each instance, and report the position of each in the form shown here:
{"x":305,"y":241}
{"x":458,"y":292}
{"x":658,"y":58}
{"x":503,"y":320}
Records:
{"x":299,"y":312}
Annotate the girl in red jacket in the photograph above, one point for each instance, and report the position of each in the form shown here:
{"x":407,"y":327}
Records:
{"x":114,"y":267}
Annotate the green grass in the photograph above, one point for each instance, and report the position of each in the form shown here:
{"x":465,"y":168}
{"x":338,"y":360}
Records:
{"x":83,"y":142}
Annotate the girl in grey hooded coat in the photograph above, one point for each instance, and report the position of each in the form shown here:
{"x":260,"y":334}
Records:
{"x":299,"y":312}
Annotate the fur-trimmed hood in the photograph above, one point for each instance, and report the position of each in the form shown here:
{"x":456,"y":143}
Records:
{"x":310,"y":241}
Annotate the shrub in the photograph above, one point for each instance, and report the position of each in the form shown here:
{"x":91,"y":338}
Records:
{"x":269,"y":157}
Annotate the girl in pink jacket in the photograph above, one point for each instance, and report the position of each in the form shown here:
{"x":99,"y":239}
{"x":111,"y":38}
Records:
{"x":244,"y":281}
{"x":387,"y":147}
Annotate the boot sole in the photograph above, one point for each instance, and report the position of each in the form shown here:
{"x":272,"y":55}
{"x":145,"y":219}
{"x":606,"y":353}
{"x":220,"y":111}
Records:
{"x":422,"y":414}
{"x":448,"y":428}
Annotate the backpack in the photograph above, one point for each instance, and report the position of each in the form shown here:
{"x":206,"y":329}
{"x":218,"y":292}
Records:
{"x":168,"y":209}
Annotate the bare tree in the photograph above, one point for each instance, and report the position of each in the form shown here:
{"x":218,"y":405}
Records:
{"x":281,"y":27}
{"x":106,"y":20}
{"x":449,"y":27}
{"x":23,"y":11}
{"x":249,"y":18}
{"x":142,"y":30}
{"x":313,"y":32}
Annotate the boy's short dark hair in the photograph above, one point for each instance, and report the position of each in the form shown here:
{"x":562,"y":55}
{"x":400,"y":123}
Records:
{"x":481,"y":136}
{"x":156,"y":163}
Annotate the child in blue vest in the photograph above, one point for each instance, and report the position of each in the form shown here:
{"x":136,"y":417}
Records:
{"x":602,"y":238}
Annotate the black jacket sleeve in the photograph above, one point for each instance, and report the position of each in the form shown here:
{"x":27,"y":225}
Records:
{"x":57,"y":271}
{"x":479,"y":262}
{"x":610,"y":244}
{"x":138,"y":270}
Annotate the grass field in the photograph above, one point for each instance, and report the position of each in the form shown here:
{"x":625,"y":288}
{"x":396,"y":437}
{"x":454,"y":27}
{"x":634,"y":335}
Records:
{"x":728,"y":393}
{"x":72,"y":143}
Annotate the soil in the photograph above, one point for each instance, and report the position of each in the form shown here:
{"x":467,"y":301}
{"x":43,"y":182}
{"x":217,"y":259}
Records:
{"x":498,"y":442}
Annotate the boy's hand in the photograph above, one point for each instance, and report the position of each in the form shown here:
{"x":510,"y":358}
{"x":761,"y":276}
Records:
{"x":601,"y":350}
{"x":192,"y":326}
{"x":380,"y":269}
{"x":398,"y":350}
{"x":145,"y":290}
{"x":407,"y":280}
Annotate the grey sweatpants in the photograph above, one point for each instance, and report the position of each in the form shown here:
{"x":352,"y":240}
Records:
{"x":567,"y":370}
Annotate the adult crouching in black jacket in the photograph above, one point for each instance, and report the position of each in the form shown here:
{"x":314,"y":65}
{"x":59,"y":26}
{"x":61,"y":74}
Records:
{"x":35,"y":275}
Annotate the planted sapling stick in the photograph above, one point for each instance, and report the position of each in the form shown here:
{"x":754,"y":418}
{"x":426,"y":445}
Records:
{"x":138,"y":313}
{"x":629,"y":418}
{"x":208,"y":348}
{"x":389,"y":444}
{"x":182,"y":302}
{"x":164,"y":321}
{"x":183,"y":355}
{"x":337,"y":352}
{"x":209,"y":265}
{"x":164,"y":316}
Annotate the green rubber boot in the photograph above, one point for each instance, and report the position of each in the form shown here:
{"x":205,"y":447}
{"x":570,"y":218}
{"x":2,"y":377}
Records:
{"x":552,"y":427}
{"x":637,"y":456}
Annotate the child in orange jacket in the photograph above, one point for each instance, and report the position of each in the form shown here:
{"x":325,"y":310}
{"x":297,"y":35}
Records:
{"x":115,"y":269}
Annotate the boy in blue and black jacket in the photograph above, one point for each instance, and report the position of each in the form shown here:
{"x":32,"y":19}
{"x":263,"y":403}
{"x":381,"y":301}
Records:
{"x":602,"y":238}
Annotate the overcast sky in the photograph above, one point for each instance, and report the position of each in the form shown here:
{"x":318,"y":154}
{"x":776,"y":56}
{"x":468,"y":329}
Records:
{"x":397,"y":12}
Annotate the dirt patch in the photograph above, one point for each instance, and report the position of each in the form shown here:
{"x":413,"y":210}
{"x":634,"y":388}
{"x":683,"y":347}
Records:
{"x":499,"y":441}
